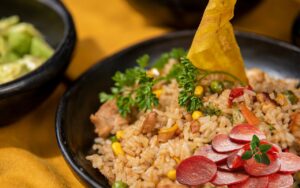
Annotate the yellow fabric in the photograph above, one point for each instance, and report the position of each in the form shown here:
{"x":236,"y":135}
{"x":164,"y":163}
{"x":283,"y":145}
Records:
{"x":214,"y":47}
{"x":29,"y":156}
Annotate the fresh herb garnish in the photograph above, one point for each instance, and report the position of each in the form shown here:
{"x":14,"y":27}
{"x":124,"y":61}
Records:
{"x":257,"y":151}
{"x":211,"y":110}
{"x":132,"y":89}
{"x":175,"y":53}
{"x":143,"y":61}
{"x":187,"y":81}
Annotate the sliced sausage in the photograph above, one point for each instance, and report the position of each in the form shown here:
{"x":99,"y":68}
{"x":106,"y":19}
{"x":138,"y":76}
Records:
{"x":228,"y":178}
{"x":253,"y":182}
{"x":224,"y":167}
{"x":149,"y":122}
{"x":289,"y":162}
{"x":259,"y":169}
{"x":245,"y":132}
{"x":234,"y":160}
{"x":106,"y":118}
{"x":280,"y":181}
{"x":222,"y":143}
{"x":196,"y":170}
{"x":208,"y":152}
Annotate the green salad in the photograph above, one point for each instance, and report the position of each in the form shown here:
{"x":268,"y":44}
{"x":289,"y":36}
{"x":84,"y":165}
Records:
{"x":22,"y":49}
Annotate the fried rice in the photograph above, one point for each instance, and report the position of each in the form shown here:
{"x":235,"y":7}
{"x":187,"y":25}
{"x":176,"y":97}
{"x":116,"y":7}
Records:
{"x":147,"y":160}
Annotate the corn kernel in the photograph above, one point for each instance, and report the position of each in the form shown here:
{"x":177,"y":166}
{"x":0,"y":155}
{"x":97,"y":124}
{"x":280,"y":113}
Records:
{"x":196,"y":115}
{"x":198,"y":91}
{"x":117,"y":148}
{"x":152,"y":73}
{"x":172,"y":174}
{"x":169,"y":130}
{"x":176,"y":159}
{"x":281,"y":99}
{"x":157,"y":92}
{"x":120,"y":134}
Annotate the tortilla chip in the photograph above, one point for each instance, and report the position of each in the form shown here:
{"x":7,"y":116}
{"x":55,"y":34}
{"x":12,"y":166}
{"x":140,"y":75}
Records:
{"x":214,"y":47}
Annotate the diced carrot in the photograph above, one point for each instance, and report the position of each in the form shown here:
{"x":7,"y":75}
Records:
{"x":248,"y":115}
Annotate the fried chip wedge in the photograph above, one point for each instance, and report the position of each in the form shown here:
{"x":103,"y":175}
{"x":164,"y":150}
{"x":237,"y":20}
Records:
{"x":214,"y":47}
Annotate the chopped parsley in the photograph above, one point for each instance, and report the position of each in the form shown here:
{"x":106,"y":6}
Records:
{"x":187,"y":81}
{"x":175,"y":53}
{"x":132,"y":89}
{"x":211,"y":110}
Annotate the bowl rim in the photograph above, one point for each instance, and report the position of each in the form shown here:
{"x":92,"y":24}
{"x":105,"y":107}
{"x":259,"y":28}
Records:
{"x":61,"y":109}
{"x":45,"y":72}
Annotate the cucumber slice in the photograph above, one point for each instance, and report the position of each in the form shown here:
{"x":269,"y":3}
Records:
{"x":40,"y":48}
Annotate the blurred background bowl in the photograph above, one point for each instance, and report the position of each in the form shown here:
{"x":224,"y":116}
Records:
{"x":53,"y":20}
{"x":181,"y":14}
{"x":296,"y":31}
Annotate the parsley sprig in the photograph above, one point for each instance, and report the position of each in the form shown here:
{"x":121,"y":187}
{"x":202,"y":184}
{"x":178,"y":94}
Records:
{"x":187,"y":81}
{"x":258,"y":151}
{"x":175,"y":53}
{"x":132,"y":89}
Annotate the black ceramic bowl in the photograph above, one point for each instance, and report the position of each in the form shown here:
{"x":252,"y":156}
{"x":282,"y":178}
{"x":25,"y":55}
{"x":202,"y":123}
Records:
{"x":53,"y":20}
{"x":75,"y":133}
{"x":181,"y":13}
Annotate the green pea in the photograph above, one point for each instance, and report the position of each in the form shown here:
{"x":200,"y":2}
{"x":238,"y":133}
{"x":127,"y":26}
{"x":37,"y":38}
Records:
{"x":216,"y":86}
{"x":113,"y":138}
{"x":119,"y":184}
{"x":291,"y":96}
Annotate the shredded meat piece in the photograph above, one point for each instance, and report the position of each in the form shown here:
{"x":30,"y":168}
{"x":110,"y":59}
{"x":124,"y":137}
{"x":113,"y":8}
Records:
{"x":195,"y":126}
{"x":106,"y":118}
{"x":149,"y":123}
{"x":188,"y":117}
{"x":295,"y":130}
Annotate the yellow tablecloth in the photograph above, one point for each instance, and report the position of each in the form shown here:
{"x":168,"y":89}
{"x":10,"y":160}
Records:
{"x":29,"y":156}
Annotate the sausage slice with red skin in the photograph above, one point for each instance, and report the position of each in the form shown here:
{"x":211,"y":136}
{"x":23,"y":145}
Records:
{"x":207,"y":151}
{"x":221,"y":143}
{"x":234,"y":160}
{"x":289,"y":162}
{"x":280,"y":181}
{"x":228,"y":178}
{"x":224,"y":167}
{"x":253,"y":182}
{"x":196,"y":170}
{"x":245,"y":132}
{"x":259,"y":169}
